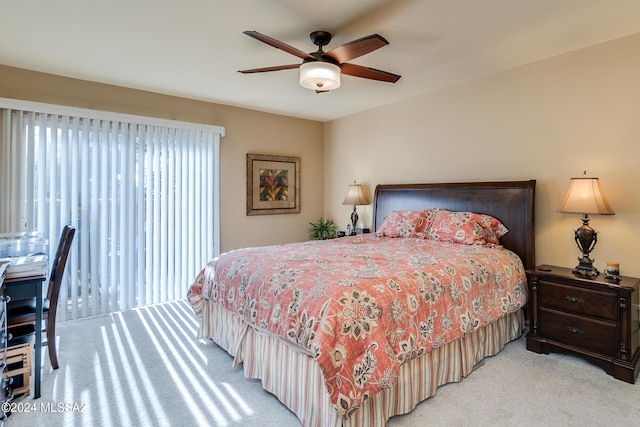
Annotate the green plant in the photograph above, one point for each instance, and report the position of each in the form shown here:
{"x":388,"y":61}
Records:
{"x":322,"y":229}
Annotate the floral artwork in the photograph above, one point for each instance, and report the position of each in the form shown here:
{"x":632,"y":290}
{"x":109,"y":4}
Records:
{"x":273,"y":184}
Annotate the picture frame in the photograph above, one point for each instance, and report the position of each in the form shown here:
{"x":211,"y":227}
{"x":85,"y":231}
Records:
{"x":273,"y":184}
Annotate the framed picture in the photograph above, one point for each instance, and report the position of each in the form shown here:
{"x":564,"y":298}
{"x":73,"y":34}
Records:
{"x":273,"y":184}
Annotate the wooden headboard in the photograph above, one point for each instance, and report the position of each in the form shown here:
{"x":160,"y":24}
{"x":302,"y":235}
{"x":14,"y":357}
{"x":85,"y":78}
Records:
{"x":512,"y":202}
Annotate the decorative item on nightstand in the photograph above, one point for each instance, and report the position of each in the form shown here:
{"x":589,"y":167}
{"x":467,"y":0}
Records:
{"x":355,"y":196}
{"x":612,"y":271}
{"x":584,"y":196}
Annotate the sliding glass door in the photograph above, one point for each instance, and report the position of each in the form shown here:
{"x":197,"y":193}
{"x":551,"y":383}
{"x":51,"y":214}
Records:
{"x":143,"y":197}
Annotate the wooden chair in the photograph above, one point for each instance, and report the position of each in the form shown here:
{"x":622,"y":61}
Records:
{"x":24,"y":311}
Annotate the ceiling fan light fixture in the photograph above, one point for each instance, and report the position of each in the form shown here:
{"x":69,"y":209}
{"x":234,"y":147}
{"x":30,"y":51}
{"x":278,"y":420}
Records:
{"x":318,"y":75}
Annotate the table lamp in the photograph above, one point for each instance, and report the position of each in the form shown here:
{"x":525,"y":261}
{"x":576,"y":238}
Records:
{"x":584,"y":196}
{"x":355,"y":196}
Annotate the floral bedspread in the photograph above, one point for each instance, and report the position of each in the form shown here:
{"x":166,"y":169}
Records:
{"x":364,"y":305}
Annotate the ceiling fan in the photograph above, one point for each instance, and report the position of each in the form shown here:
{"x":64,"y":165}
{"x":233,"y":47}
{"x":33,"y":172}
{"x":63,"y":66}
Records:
{"x":320,"y":70}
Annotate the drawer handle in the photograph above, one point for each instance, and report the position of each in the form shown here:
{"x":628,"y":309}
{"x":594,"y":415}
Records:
{"x":575,"y":330}
{"x":575,"y":299}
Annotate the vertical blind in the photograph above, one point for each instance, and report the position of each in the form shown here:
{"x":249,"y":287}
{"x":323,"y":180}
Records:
{"x":141,"y":193}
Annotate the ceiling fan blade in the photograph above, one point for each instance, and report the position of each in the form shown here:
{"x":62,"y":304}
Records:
{"x":278,"y":44}
{"x":368,"y":73}
{"x":274,"y":68}
{"x":356,"y":48}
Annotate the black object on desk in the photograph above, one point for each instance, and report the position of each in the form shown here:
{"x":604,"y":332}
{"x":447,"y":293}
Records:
{"x":28,"y":288}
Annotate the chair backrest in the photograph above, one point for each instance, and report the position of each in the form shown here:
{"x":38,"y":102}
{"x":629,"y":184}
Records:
{"x":57,"y":267}
{"x":3,"y":271}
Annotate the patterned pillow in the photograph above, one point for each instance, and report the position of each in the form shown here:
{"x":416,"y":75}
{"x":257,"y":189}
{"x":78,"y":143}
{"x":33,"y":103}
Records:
{"x":466,"y":227}
{"x":406,"y":223}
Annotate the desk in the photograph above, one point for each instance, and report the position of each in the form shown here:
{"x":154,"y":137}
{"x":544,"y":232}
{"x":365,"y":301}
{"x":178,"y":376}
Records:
{"x":26,"y":288}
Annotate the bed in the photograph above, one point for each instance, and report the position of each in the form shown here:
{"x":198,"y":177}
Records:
{"x":355,"y":330}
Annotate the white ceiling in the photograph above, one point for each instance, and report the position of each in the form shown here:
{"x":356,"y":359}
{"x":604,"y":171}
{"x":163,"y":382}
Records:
{"x":193,"y":48}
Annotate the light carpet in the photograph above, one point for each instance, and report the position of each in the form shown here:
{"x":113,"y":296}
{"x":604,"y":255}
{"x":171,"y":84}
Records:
{"x":144,"y":367}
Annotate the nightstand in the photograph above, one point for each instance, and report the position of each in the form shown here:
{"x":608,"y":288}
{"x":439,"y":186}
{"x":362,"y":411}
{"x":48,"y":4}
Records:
{"x":596,"y":318}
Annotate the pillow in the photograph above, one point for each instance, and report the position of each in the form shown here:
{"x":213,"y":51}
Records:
{"x":406,"y":223}
{"x":466,"y":227}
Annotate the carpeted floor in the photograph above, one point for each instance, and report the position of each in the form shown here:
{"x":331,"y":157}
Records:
{"x":144,"y":367}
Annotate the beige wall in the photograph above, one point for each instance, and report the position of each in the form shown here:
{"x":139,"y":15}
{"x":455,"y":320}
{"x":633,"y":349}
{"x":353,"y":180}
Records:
{"x":246,"y":131}
{"x":547,"y":121}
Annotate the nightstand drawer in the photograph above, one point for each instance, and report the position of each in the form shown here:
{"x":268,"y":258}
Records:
{"x":578,"y":331}
{"x":578,"y":300}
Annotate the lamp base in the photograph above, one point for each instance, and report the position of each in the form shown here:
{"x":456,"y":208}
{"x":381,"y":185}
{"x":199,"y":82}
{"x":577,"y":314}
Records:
{"x":586,"y":268}
{"x":354,"y":221}
{"x":586,"y":238}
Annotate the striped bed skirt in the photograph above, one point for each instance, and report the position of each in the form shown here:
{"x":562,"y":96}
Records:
{"x":296,"y":380}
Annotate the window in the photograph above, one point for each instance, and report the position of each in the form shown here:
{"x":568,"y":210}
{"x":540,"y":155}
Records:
{"x":142,"y":194}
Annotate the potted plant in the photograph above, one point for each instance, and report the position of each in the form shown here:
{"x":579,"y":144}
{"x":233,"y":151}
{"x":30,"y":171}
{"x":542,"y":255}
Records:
{"x":322,"y":229}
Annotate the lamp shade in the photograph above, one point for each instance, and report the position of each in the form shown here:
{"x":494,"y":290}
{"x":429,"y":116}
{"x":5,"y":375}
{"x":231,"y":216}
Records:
{"x":355,"y":196}
{"x":317,"y":75}
{"x":584,"y":196}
